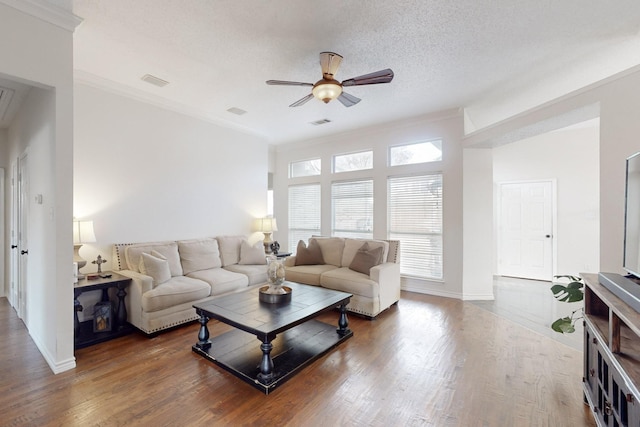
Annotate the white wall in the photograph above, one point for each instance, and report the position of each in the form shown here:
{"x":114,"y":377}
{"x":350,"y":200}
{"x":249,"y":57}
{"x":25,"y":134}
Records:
{"x":570,"y":156}
{"x":143,"y":173}
{"x":477,"y":267}
{"x":447,"y":126}
{"x":41,"y":54}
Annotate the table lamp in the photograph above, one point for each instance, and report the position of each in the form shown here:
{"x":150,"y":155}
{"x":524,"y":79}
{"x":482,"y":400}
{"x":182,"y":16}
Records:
{"x":267,"y":226}
{"x":82,"y":233}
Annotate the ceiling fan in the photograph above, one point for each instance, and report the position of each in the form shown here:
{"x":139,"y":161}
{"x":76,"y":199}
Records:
{"x":328,"y":89}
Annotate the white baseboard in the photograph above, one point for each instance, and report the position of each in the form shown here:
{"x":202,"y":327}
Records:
{"x":55,"y":366}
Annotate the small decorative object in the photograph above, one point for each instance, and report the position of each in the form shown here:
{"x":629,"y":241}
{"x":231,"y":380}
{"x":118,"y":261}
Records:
{"x":102,"y":316}
{"x":99,"y":261}
{"x":275,"y":247}
{"x":93,"y":276}
{"x":275,"y":292}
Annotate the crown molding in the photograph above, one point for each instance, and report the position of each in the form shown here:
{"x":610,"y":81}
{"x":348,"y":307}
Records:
{"x":46,"y":12}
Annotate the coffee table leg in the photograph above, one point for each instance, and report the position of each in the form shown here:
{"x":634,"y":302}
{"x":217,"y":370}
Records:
{"x":266,"y":365}
{"x":203,"y":334}
{"x":343,"y":322}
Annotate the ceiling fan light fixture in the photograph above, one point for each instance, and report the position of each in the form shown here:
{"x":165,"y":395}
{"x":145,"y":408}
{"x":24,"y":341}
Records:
{"x":327,"y":90}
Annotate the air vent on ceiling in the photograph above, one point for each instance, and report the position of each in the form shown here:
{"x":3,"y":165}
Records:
{"x":5,"y":99}
{"x":321,"y":122}
{"x":237,"y":111}
{"x":156,"y":81}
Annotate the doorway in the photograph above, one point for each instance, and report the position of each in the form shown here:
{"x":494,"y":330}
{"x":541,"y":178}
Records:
{"x":526,"y":212}
{"x":19,"y":235}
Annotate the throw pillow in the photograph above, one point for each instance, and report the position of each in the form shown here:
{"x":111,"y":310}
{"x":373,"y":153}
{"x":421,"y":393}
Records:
{"x":251,"y":255}
{"x":366,"y":258}
{"x":155,"y":267}
{"x":311,"y":255}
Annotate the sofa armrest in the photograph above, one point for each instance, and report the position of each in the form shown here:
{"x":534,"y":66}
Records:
{"x":140,"y":284}
{"x":290,"y":261}
{"x":387,"y":275}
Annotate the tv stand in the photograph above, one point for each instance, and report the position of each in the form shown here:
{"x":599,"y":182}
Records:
{"x":611,"y":350}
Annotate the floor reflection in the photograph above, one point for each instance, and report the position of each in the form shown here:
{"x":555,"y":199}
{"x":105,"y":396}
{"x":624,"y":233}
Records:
{"x":530,"y":303}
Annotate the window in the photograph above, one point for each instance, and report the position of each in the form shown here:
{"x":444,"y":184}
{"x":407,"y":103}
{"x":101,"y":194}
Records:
{"x":304,"y":213}
{"x":305,"y":168}
{"x":353,"y":161}
{"x":352,"y":209}
{"x":416,"y":152}
{"x":415,"y":218}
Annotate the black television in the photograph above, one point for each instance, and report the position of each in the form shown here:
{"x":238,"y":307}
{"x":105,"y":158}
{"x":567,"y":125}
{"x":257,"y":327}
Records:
{"x":622,"y":286}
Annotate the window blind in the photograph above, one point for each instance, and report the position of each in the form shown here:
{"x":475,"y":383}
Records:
{"x":415,"y":218}
{"x":352,"y":209}
{"x":304,"y":213}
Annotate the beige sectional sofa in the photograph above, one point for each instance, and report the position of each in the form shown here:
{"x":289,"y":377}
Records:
{"x":169,"y":277}
{"x":368,"y":269}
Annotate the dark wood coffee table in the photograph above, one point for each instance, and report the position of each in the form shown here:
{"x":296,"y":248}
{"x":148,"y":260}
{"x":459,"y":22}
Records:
{"x":290,"y":337}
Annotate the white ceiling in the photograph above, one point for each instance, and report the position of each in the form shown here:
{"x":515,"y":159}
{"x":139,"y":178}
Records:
{"x":445,"y":54}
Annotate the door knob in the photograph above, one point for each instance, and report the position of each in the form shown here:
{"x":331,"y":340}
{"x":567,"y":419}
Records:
{"x":24,"y":252}
{"x":548,"y":236}
{"x":14,"y":246}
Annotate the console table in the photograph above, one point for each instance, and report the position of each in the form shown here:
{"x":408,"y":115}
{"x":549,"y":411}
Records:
{"x":611,"y":356}
{"x":84,"y":334}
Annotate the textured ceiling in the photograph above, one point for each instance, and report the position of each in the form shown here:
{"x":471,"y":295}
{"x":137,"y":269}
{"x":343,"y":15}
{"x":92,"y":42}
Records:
{"x":445,"y":54}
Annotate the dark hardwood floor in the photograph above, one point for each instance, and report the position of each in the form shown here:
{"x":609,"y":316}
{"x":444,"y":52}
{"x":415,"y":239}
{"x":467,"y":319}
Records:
{"x":428,"y":361}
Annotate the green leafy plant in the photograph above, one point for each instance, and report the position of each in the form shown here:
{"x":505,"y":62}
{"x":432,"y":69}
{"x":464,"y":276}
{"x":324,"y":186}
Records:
{"x":568,"y":292}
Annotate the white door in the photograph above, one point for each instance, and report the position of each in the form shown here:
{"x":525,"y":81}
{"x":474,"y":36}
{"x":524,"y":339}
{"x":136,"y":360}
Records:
{"x":13,"y":238}
{"x":525,"y":230}
{"x":23,"y":235}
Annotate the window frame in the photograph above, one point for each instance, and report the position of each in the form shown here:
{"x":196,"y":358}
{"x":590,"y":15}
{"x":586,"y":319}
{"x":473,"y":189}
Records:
{"x":335,"y":156}
{"x":406,"y":144}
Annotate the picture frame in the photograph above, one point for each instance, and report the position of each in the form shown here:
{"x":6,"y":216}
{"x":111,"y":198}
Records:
{"x":102,"y":317}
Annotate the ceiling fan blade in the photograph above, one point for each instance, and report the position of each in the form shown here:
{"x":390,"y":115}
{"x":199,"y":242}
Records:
{"x":302,"y":101}
{"x":382,"y":76}
{"x":287,"y":83}
{"x":348,"y":100}
{"x":329,"y":61}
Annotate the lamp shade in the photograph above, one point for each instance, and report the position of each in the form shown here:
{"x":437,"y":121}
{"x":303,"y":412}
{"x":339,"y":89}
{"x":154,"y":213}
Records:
{"x":83,"y":232}
{"x":268,"y":225}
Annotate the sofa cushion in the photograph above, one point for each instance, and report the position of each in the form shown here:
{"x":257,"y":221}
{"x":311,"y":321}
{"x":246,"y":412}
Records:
{"x":156,"y":266}
{"x":308,"y":255}
{"x":230,"y":249}
{"x":176,"y":290}
{"x":220,"y":280}
{"x":307,"y":274}
{"x":346,"y":280}
{"x":351,"y":247}
{"x":366,"y":258}
{"x":252,"y":255}
{"x":256,"y":273}
{"x":168,"y":249}
{"x":199,"y":254}
{"x":331,"y":248}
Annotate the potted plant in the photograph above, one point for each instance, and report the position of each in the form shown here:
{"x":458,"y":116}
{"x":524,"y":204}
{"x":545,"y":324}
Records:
{"x":568,"y":292}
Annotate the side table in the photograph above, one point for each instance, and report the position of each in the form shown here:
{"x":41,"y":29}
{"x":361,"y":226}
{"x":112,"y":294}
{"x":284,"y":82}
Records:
{"x":84,"y":334}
